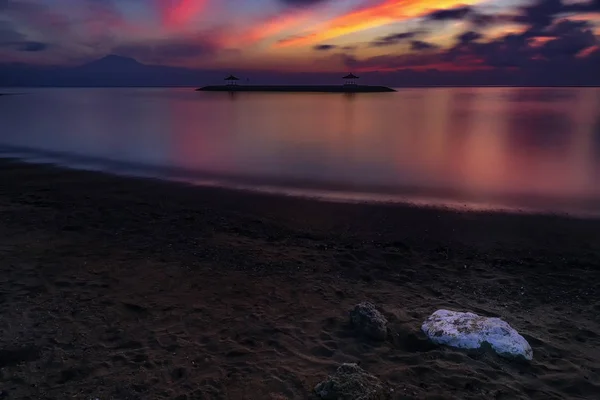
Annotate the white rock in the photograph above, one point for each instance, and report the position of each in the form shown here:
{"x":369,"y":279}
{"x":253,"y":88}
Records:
{"x":470,"y":331}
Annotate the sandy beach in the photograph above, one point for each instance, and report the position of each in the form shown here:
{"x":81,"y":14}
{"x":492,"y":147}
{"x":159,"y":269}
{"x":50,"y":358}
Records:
{"x":124,"y":288}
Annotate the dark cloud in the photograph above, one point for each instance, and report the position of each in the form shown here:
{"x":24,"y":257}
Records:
{"x":57,"y":29}
{"x":562,"y":52}
{"x":485,"y":20}
{"x":469,"y":36}
{"x":324,"y":47}
{"x":9,"y":34}
{"x":17,"y":6}
{"x":571,"y":37}
{"x":567,"y":27}
{"x":467,"y":14}
{"x":163,"y":51}
{"x":564,"y":41}
{"x":394,"y":38}
{"x":450,"y":14}
{"x":419,"y":45}
{"x":591,"y":6}
{"x":399,"y":61}
{"x":511,"y":51}
{"x":541,"y":14}
{"x":11,"y":38}
{"x":32,"y":46}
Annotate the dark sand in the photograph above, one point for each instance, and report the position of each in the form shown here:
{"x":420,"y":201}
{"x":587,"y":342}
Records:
{"x":115,"y":288}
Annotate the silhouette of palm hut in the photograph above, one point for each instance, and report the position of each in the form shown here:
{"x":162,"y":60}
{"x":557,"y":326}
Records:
{"x":350,"y":79}
{"x":232,"y":80}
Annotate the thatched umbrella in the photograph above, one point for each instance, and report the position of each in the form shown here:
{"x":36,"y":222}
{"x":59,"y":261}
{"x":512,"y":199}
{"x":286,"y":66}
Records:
{"x":231,"y":80}
{"x":350,"y":79}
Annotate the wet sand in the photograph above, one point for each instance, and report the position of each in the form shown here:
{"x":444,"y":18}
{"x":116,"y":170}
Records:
{"x":122,"y":288}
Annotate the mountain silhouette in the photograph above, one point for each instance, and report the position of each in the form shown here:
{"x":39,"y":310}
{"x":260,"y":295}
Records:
{"x":111,"y":70}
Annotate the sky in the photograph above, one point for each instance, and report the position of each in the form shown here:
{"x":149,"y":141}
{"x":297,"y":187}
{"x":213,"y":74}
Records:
{"x":316,"y":36}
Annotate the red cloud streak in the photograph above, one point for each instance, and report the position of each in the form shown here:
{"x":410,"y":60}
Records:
{"x":178,"y":13}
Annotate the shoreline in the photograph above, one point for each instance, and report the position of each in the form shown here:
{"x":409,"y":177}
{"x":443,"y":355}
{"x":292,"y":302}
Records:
{"x":118,"y":287}
{"x":411,"y":196}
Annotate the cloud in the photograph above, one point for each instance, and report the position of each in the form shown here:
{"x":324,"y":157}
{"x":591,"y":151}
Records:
{"x":9,"y":34}
{"x":450,"y":14}
{"x":394,"y":38}
{"x":88,"y":23}
{"x":540,"y":14}
{"x":466,"y":13}
{"x":11,"y":38}
{"x":484,"y":20}
{"x":565,"y":40}
{"x":32,"y":46}
{"x":371,"y":15}
{"x":562,"y":47}
{"x":163,"y":51}
{"x":269,"y":26}
{"x":419,"y":45}
{"x":469,"y":36}
{"x":176,"y":14}
{"x":543,"y":13}
{"x":324,"y":47}
{"x":570,"y":38}
{"x":389,"y":62}
{"x":36,"y":16}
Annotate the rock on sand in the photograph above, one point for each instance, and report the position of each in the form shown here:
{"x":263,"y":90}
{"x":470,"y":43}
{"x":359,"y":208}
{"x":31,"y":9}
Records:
{"x":367,"y":320}
{"x":350,"y":382}
{"x":470,"y":331}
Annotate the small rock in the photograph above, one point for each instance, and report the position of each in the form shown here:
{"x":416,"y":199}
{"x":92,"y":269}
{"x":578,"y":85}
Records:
{"x":350,"y":382}
{"x":367,"y":320}
{"x":470,"y":331}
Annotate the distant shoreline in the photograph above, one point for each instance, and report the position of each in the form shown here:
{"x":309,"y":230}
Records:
{"x":297,"y":88}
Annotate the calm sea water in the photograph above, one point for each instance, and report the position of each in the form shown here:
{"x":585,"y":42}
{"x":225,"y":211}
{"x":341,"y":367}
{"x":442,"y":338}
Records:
{"x":524,"y":148}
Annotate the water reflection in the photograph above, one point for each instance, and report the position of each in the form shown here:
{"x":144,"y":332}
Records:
{"x":536,"y":147}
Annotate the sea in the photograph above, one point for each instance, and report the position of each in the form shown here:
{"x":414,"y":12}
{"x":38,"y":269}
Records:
{"x":472,"y":149}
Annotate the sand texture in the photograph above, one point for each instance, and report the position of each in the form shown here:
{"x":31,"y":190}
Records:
{"x":119,"y":288}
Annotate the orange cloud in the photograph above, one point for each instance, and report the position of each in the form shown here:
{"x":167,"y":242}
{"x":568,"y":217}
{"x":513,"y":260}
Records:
{"x":178,"y":13}
{"x":371,"y":17}
{"x":586,"y":52}
{"x":276,"y":25}
{"x":268,"y":28}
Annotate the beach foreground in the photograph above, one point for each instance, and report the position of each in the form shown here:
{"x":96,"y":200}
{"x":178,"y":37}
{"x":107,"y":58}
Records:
{"x":121,"y":288}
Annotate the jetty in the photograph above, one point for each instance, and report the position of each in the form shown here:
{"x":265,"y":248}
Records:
{"x":297,"y":88}
{"x":349,"y":86}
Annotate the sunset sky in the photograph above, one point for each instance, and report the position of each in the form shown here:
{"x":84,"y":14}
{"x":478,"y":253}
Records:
{"x":305,"y":35}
